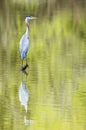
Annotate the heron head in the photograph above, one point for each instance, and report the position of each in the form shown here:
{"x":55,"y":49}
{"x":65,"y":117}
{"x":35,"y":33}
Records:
{"x":29,"y":18}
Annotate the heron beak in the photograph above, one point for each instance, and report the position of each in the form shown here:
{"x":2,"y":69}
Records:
{"x":29,"y":18}
{"x":34,"y":18}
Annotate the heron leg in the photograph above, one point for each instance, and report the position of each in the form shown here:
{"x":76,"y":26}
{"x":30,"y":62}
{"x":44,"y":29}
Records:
{"x":22,"y":62}
{"x":26,"y":59}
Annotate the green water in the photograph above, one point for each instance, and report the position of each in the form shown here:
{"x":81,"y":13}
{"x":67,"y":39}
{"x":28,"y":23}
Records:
{"x":55,"y":80}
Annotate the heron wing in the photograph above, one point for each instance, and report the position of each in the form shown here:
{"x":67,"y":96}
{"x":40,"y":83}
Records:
{"x":24,"y":45}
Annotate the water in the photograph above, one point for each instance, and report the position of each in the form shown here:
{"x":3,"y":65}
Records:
{"x":51,"y":92}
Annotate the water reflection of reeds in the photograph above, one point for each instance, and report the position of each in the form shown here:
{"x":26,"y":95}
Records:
{"x":57,"y":60}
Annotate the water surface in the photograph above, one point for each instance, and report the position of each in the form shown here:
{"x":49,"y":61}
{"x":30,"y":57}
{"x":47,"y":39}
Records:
{"x":51,"y":93}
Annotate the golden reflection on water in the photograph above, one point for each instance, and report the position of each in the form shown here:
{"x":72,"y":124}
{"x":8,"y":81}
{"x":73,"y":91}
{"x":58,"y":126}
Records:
{"x":54,"y":84}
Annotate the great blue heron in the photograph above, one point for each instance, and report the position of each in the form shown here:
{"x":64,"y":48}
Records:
{"x":24,"y":42}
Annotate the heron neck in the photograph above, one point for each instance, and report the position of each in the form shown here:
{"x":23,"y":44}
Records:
{"x":27,"y":29}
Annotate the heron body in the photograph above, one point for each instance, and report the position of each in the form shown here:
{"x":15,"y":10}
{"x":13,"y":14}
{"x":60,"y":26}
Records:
{"x":24,"y":46}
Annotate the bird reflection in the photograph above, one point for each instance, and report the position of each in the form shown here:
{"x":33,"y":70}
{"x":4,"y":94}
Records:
{"x":24,"y":95}
{"x":25,"y":72}
{"x":27,"y":122}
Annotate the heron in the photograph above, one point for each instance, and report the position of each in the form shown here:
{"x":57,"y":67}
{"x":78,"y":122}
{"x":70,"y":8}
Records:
{"x":24,"y":41}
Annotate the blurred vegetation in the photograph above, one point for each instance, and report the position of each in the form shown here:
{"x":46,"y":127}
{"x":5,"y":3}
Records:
{"x":57,"y":61}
